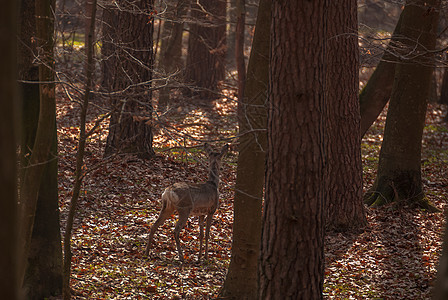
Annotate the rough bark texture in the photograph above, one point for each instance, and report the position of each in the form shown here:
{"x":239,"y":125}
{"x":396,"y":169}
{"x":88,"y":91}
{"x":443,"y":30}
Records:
{"x":291,"y":258}
{"x":170,"y":60}
{"x":345,"y":209}
{"x":205,"y":65}
{"x":127,"y":68}
{"x":376,"y":93}
{"x":399,"y":169}
{"x":242,"y":279}
{"x":8,"y":172}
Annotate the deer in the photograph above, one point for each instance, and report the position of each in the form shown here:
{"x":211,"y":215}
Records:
{"x":188,"y":199}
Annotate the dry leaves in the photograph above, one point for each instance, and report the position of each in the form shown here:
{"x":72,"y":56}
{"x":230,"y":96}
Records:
{"x":395,"y":258}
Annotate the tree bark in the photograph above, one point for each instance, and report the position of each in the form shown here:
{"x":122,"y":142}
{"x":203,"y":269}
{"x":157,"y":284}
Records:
{"x":44,"y":271}
{"x":9,"y":281}
{"x":345,"y":208}
{"x":205,"y":65}
{"x":291,"y":258}
{"x":44,"y":135}
{"x":127,"y":70}
{"x":43,"y":277}
{"x":376,"y":93}
{"x":242,"y":278}
{"x":399,"y":170}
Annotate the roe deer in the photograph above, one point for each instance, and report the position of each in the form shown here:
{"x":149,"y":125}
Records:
{"x":192,"y":199}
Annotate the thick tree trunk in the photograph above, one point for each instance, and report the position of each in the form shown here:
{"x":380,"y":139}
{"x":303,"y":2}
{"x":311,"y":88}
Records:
{"x":170,"y":60}
{"x":205,"y":65}
{"x":399,"y":169}
{"x":38,"y":160}
{"x":9,"y":282}
{"x":127,"y":74}
{"x":242,"y":278}
{"x":43,"y":278}
{"x":345,"y":208}
{"x":291,"y":258}
{"x":44,"y":272}
{"x":375,"y":95}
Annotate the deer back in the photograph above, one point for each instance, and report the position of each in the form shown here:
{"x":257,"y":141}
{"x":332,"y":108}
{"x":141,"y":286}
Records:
{"x":200,"y":199}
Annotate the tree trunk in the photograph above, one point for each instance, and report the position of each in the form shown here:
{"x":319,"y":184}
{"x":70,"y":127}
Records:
{"x":44,"y":272}
{"x":38,"y":160}
{"x":399,"y":169}
{"x":375,"y":95}
{"x":9,"y":282}
{"x":171,"y":46}
{"x":242,"y":278}
{"x":345,"y":208}
{"x":127,"y":72}
{"x":43,"y":277}
{"x":205,"y":65}
{"x":291,"y":258}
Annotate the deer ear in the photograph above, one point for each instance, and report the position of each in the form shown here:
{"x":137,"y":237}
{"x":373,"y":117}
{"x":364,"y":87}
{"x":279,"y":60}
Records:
{"x":208,"y":148}
{"x":224,"y":149}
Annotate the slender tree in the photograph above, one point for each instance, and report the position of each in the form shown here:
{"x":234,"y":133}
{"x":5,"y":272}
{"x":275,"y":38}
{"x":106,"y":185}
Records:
{"x":66,"y":292}
{"x":8,"y":172}
{"x":291,"y":258}
{"x":206,"y":48}
{"x":127,"y":72}
{"x":241,"y":280}
{"x":399,"y":170}
{"x":345,"y":208}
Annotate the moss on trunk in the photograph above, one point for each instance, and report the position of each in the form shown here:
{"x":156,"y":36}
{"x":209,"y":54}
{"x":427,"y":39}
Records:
{"x":399,"y":170}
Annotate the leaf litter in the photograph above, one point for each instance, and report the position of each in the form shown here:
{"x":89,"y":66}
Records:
{"x":394,"y":258}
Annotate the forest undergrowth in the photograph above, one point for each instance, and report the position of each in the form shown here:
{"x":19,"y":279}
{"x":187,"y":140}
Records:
{"x":394,"y":258}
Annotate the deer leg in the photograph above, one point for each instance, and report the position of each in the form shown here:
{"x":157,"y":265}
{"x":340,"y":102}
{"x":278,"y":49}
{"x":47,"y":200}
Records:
{"x":201,"y":235}
{"x":207,"y":233}
{"x":165,"y":212}
{"x":183,"y":218}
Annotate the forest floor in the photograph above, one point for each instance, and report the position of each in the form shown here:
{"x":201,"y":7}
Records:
{"x":394,"y":258}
